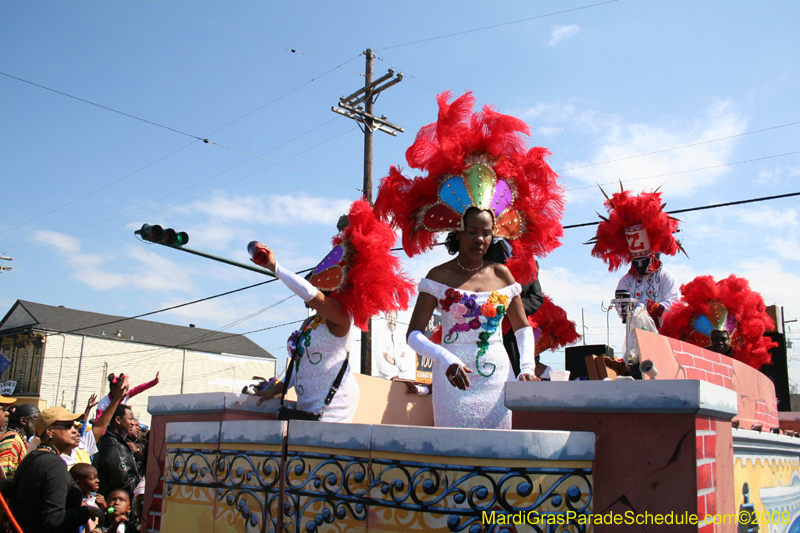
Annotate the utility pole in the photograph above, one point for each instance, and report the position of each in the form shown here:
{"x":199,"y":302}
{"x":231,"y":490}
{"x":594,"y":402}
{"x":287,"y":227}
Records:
{"x":351,"y":107}
{"x":4,"y":258}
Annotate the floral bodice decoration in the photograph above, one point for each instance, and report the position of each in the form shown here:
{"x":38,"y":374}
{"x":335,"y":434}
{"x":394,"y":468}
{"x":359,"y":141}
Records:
{"x":471,"y":317}
{"x":300,"y":341}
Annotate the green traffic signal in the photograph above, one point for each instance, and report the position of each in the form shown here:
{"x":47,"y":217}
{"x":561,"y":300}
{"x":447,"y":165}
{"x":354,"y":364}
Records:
{"x":159,"y":235}
{"x":175,"y":238}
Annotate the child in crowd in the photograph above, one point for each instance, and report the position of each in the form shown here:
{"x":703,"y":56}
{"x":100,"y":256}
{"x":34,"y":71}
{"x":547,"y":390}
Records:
{"x":119,"y":520}
{"x":85,"y":475}
{"x":115,"y":383}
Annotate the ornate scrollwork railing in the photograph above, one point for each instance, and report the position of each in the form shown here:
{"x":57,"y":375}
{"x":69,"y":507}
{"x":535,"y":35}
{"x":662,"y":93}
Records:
{"x":338,"y":489}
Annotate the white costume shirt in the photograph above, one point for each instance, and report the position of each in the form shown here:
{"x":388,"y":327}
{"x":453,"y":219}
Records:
{"x":404,"y":366}
{"x":659,"y":286}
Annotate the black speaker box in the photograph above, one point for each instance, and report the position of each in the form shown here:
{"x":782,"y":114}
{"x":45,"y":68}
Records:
{"x":778,"y":371}
{"x":575,"y":358}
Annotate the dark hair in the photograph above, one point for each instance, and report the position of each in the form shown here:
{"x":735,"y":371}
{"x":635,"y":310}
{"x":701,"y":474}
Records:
{"x":123,"y":491}
{"x":81,"y":471}
{"x":451,"y":241}
{"x":113,"y":380}
{"x":22,"y":411}
{"x":119,"y":412}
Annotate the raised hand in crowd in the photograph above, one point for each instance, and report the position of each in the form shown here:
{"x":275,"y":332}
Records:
{"x":91,"y":403}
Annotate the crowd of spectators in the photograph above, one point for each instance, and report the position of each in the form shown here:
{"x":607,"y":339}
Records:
{"x":61,"y":472}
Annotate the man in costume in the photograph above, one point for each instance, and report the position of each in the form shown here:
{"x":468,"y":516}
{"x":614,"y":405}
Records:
{"x":726,"y":317}
{"x":638,"y":231}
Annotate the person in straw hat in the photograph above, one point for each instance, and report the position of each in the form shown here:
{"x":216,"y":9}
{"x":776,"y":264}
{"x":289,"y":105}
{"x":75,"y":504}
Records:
{"x":45,"y":496}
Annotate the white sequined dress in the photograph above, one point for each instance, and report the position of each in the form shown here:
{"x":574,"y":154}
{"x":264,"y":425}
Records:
{"x":320,"y":359}
{"x":471,"y":330}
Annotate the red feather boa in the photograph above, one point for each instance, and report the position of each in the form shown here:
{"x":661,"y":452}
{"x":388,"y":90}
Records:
{"x":626,"y":210}
{"x":374,"y":282}
{"x":556,"y":329}
{"x":747,"y":307}
{"x":446,"y":148}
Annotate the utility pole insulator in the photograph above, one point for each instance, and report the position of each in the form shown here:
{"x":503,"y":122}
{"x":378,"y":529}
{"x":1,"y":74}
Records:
{"x":350,"y":107}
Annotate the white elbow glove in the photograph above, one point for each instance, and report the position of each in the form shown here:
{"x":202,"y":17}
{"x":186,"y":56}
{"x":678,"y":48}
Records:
{"x":296,"y":284}
{"x":418,"y":342}
{"x":527,"y":350}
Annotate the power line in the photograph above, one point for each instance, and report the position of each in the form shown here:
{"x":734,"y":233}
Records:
{"x":286,"y":166}
{"x":414,"y":79}
{"x":287,"y":93}
{"x":287,"y":48}
{"x":204,"y":139}
{"x":205,"y":337}
{"x":105,"y":107}
{"x":687,"y":171}
{"x":497,"y":25}
{"x":70,"y":233}
{"x":701,"y":208}
{"x":171,"y":308}
{"x":680,"y":147}
{"x":96,"y":190}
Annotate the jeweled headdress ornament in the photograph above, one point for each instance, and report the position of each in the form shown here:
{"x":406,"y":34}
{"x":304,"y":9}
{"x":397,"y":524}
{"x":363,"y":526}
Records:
{"x":476,"y":160}
{"x":636,"y":226}
{"x":360,"y":271}
{"x":727,"y":305}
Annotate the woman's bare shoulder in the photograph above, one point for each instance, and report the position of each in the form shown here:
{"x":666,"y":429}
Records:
{"x":440,"y":274}
{"x":502,"y":272}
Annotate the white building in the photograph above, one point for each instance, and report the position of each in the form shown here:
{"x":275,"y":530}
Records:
{"x":61,"y":356}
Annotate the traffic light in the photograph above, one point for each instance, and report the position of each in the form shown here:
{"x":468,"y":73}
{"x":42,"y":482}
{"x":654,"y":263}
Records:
{"x":159,"y":235}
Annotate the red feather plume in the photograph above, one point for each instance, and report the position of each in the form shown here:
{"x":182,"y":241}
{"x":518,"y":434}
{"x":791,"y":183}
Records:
{"x":450,"y":145}
{"x":626,"y":210}
{"x":749,"y":344}
{"x":556,"y":329}
{"x":375,"y":283}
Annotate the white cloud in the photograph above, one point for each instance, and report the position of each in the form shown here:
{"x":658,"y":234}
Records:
{"x":144,"y":269}
{"x":546,"y":131}
{"x":777,"y":175}
{"x":560,"y":33}
{"x":620,"y":141}
{"x":283,"y":210}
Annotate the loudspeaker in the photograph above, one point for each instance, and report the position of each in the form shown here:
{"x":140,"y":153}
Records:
{"x":575,"y":358}
{"x":778,"y":371}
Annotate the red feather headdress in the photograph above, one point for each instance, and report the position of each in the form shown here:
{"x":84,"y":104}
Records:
{"x":361,"y":270}
{"x":551,"y":327}
{"x":636,"y":226}
{"x":480,"y":160}
{"x":728,"y":305}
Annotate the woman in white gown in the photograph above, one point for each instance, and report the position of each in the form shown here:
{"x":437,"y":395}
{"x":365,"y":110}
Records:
{"x":482,"y":182}
{"x":471,"y":366}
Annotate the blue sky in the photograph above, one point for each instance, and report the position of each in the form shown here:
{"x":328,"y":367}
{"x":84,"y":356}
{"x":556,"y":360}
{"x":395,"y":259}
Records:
{"x":596,"y":83}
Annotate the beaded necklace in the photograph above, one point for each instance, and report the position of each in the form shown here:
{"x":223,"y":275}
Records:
{"x":470,"y":269}
{"x":48,"y":448}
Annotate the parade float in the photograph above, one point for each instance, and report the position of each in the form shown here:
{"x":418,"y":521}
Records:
{"x":701,"y":447}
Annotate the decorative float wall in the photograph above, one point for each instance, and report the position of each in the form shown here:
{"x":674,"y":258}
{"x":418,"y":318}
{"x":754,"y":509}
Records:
{"x":606,"y":448}
{"x":225,"y":477}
